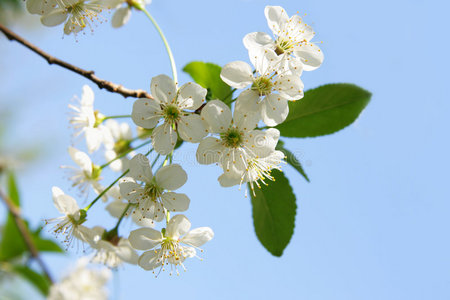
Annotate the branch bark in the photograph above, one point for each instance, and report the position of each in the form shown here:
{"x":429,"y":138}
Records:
{"x":15,"y":212}
{"x":101,"y":83}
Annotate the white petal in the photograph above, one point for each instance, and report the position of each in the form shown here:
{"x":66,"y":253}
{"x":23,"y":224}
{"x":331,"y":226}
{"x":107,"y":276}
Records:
{"x":191,"y":128}
{"x":125,"y":131}
{"x":116,"y":208}
{"x":191,"y":96}
{"x":163,"y":88}
{"x":94,"y":139}
{"x":275,"y":110}
{"x":121,"y":17}
{"x":87,"y":97}
{"x":263,"y":143}
{"x":246,"y":120}
{"x":164,"y":139}
{"x":140,"y":168}
{"x":146,"y":113}
{"x":265,"y":60}
{"x":276,"y":17}
{"x":209,"y":151}
{"x":150,"y":260}
{"x":64,"y":203}
{"x":228,"y":179}
{"x":178,"y":226}
{"x":237,"y":74}
{"x":289,"y":87}
{"x":175,"y":202}
{"x":40,"y":7}
{"x":82,"y":160}
{"x":248,"y":101}
{"x":198,"y":236}
{"x":145,"y":238}
{"x":311,"y":56}
{"x":171,"y":177}
{"x":130,"y":190}
{"x":216,"y":116}
{"x":257,"y":40}
{"x":125,"y":252}
{"x":234,"y":160}
{"x":54,"y":18}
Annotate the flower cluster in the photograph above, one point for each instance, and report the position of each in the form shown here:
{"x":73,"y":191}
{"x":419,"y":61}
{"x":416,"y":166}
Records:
{"x":147,"y":191}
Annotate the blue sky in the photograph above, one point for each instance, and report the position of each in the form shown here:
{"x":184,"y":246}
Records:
{"x":372,"y":224}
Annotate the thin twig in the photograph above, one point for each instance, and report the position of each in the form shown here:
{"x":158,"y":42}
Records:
{"x":102,"y":84}
{"x":15,"y":212}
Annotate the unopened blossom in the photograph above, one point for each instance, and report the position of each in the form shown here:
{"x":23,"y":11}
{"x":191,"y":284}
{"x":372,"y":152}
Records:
{"x":292,"y":41}
{"x":76,"y":14}
{"x":269,"y":91}
{"x":118,"y":205}
{"x":82,"y":284}
{"x":111,"y":251}
{"x":86,"y":121}
{"x":123,"y":11}
{"x":86,"y":174}
{"x":171,"y":246}
{"x":153,"y":194}
{"x":70,"y":223}
{"x":117,"y":142}
{"x":236,"y":140}
{"x":260,"y":163}
{"x":175,"y":107}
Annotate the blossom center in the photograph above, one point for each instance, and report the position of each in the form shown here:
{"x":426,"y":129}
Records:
{"x":153,"y":191}
{"x":232,"y":138}
{"x":283,"y":46}
{"x":262,"y":85}
{"x":121,"y":146}
{"x":171,"y":113}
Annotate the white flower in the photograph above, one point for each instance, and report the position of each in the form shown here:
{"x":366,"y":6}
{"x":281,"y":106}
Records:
{"x":113,"y":251}
{"x":117,"y":142}
{"x":87,"y":174}
{"x":170,"y":105}
{"x":85,"y":120}
{"x":123,"y":11}
{"x":173,"y":245}
{"x":151,"y":195}
{"x":292,"y":41}
{"x":118,"y":206}
{"x":70,"y":223}
{"x":238,"y":142}
{"x":40,"y":7}
{"x":269,"y":92}
{"x":78,"y":14}
{"x":82,"y":284}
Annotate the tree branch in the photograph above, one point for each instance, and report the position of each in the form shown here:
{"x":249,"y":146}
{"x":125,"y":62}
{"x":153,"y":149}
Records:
{"x":15,"y":212}
{"x":102,"y":84}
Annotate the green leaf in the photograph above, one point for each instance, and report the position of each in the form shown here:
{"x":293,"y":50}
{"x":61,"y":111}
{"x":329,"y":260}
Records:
{"x":12,"y":244}
{"x":291,"y":159}
{"x":274,"y":211}
{"x":13,"y":191}
{"x":324,"y":110}
{"x":36,"y":279}
{"x":46,"y":245}
{"x":208,"y":76}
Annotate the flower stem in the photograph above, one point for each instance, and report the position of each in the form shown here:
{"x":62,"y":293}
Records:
{"x":161,"y":34}
{"x":122,"y":216}
{"x":116,"y":117}
{"x":156,"y":159}
{"x":105,"y":190}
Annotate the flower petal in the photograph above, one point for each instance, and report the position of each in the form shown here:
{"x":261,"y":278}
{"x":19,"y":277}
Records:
{"x":130,"y":190}
{"x":248,"y":101}
{"x":191,"y":96}
{"x":64,"y":203}
{"x":191,"y":128}
{"x":150,"y":260}
{"x":163,"y":88}
{"x":54,"y":18}
{"x":164,"y":139}
{"x":94,"y":138}
{"x":228,"y":179}
{"x":140,"y":168}
{"x":175,"y":201}
{"x":145,"y":238}
{"x":171,"y":177}
{"x":257,"y":40}
{"x":121,"y":16}
{"x":81,"y":159}
{"x":237,"y":74}
{"x":276,"y":18}
{"x":146,"y":113}
{"x":275,"y":110}
{"x":311,"y":56}
{"x":178,"y":226}
{"x":216,"y":116}
{"x":289,"y":87}
{"x":125,"y":252}
{"x":198,"y":236}
{"x":209,"y":151}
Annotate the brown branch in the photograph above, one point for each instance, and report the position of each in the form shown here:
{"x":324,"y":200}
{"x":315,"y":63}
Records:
{"x":15,"y":212}
{"x":102,"y":84}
